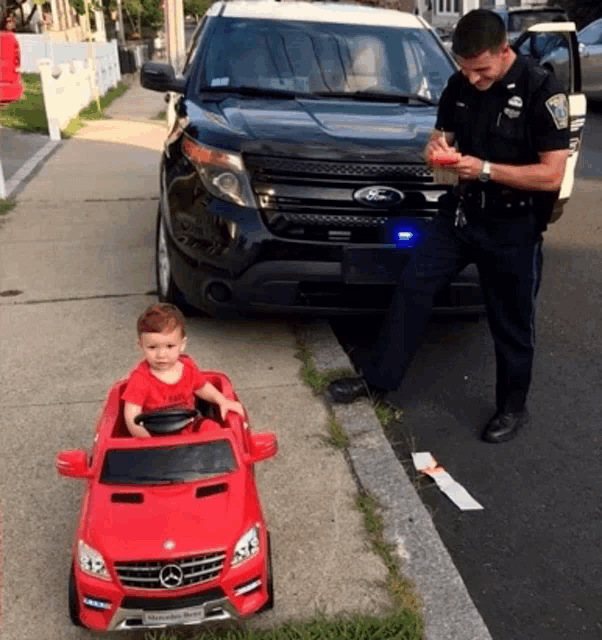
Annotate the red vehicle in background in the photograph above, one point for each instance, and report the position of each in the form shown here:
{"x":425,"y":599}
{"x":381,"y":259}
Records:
{"x":171,"y":530}
{"x":11,"y":88}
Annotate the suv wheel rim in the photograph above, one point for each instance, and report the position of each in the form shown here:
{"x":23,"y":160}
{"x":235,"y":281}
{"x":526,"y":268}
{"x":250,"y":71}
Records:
{"x":163,"y":261}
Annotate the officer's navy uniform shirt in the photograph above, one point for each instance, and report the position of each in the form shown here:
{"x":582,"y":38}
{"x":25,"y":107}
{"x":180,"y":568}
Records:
{"x":518,"y":117}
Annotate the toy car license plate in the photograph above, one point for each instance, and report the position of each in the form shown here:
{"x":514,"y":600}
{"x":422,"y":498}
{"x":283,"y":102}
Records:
{"x":175,"y":616}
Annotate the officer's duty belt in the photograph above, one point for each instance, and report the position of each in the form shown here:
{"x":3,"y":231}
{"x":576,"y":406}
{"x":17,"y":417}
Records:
{"x":499,"y":202}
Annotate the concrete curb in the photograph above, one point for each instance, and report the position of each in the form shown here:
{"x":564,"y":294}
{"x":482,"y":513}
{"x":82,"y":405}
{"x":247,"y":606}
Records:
{"x":449,"y":612}
{"x":27,"y":171}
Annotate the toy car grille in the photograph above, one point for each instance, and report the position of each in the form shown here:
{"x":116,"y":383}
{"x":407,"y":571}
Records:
{"x":170,"y":574}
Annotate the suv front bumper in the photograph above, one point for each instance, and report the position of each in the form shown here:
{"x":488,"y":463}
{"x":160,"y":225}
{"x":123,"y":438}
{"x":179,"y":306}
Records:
{"x":303,"y":287}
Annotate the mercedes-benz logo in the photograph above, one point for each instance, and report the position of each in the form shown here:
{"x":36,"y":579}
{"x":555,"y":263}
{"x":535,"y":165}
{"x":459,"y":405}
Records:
{"x":171,"y":576}
{"x":378,"y":196}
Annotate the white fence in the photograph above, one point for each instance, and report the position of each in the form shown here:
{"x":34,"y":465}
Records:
{"x":69,"y":90}
{"x":36,"y":47}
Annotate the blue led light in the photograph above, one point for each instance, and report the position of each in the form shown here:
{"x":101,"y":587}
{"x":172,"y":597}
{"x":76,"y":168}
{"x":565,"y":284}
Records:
{"x":405,"y":236}
{"x":96,"y":604}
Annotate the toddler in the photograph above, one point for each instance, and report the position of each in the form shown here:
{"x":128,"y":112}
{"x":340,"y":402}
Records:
{"x":166,"y":378}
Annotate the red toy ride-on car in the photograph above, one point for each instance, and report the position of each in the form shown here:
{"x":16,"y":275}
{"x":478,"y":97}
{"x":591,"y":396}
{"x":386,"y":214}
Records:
{"x":171,"y":530}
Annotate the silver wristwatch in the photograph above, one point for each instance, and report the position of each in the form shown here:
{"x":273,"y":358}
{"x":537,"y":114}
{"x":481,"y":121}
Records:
{"x":485,"y":172}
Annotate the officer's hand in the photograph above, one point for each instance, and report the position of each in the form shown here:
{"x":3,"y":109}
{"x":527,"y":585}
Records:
{"x":438,"y":145}
{"x":467,"y":167}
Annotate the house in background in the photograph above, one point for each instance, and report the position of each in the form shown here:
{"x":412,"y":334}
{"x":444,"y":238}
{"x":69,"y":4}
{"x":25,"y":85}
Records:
{"x":445,"y":13}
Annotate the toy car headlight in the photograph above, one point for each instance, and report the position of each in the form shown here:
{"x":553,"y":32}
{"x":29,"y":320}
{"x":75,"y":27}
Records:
{"x":92,"y":562}
{"x":247,"y":546}
{"x":223,"y":172}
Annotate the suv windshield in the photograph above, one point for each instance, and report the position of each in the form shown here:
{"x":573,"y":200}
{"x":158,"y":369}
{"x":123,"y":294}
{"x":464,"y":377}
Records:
{"x":322,"y":58}
{"x":168,"y":464}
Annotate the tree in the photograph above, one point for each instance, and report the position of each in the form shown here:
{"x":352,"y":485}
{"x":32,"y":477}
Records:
{"x":137,"y":13}
{"x":15,"y":7}
{"x":581,"y":11}
{"x":196,"y":8}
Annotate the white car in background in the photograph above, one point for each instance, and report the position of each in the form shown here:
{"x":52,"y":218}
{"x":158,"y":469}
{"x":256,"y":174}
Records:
{"x":553,"y":53}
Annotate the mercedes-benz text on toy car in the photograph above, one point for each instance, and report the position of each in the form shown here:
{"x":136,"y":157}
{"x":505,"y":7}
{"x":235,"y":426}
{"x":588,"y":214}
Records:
{"x":171,"y":530}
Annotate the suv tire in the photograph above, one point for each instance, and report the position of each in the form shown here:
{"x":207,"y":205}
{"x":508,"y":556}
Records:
{"x":167,"y":290}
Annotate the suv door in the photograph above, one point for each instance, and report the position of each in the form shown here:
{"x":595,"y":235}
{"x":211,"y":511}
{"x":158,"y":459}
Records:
{"x":590,"y":50}
{"x":554,"y":46}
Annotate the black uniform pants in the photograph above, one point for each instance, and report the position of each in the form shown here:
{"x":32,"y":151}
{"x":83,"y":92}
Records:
{"x":508,"y":255}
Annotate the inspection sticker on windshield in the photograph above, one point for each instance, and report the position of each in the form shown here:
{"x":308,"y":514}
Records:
{"x":559,"y":109}
{"x":425,"y":463}
{"x":220,"y":82}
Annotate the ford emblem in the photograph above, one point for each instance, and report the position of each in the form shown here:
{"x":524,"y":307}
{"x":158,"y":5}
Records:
{"x":382,"y":197}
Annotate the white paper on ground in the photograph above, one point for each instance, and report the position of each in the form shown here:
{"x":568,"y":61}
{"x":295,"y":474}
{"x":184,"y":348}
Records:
{"x":424,"y":462}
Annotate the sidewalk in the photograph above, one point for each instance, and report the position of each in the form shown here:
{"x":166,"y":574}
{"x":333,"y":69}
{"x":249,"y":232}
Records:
{"x":79,"y":248}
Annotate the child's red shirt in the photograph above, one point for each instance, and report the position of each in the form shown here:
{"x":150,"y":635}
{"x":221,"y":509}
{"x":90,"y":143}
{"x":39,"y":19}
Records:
{"x":146,"y":390}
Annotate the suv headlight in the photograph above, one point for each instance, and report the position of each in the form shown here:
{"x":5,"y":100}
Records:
{"x":247,"y":546}
{"x":222,"y":172}
{"x":92,"y":562}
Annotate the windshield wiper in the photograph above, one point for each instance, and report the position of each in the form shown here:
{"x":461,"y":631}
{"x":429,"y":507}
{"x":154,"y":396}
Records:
{"x":261,"y":92}
{"x":379,"y":96}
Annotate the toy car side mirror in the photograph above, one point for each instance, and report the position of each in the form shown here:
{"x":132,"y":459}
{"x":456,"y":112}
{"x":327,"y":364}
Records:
{"x":73,"y":463}
{"x":262,"y":447}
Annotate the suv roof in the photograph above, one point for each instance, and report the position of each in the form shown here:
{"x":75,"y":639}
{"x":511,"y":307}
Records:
{"x":340,"y":13}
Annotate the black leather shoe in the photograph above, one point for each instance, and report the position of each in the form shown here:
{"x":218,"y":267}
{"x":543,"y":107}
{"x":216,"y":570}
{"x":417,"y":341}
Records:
{"x":504,"y":426}
{"x":346,"y":390}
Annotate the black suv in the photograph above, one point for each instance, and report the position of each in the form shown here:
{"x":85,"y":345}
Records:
{"x":293,"y":176}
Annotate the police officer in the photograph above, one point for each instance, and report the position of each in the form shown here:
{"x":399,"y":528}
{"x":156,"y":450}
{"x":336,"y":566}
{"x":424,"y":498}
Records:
{"x":506,"y":121}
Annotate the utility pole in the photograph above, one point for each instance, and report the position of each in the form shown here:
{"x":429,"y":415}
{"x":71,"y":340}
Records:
{"x":120,"y":22}
{"x":174,"y":31}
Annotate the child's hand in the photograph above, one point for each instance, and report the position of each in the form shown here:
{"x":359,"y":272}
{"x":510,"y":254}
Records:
{"x":231,"y":405}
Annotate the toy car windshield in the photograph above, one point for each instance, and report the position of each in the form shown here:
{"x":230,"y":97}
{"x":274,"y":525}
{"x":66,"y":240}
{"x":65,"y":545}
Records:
{"x":166,"y":465}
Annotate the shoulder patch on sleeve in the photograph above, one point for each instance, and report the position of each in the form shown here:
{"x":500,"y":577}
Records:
{"x":558,"y":107}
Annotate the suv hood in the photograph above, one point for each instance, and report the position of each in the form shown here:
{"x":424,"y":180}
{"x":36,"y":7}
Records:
{"x":333,"y":128}
{"x":138,"y":530}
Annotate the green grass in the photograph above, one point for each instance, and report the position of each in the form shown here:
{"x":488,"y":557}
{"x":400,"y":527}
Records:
{"x":400,"y":589}
{"x":7,"y":205}
{"x":387,"y":415}
{"x":162,"y":115}
{"x":316,"y":381}
{"x":406,"y":604}
{"x":337,"y":438}
{"x":398,"y":625}
{"x":91,"y":112}
{"x":27,"y":114}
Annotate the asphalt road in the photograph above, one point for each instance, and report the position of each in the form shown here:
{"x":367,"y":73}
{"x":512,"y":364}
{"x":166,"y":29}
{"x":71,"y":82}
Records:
{"x":531,"y":559}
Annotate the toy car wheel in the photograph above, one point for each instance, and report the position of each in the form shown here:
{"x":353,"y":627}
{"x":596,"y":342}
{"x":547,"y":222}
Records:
{"x":270,"y":581}
{"x":73,"y":603}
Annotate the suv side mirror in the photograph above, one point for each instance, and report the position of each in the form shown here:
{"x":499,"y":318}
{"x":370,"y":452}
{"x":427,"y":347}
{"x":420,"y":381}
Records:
{"x":73,"y":463}
{"x":262,"y":447}
{"x":158,"y":76}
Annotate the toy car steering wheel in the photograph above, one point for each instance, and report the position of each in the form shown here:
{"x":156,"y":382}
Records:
{"x":166,"y":420}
